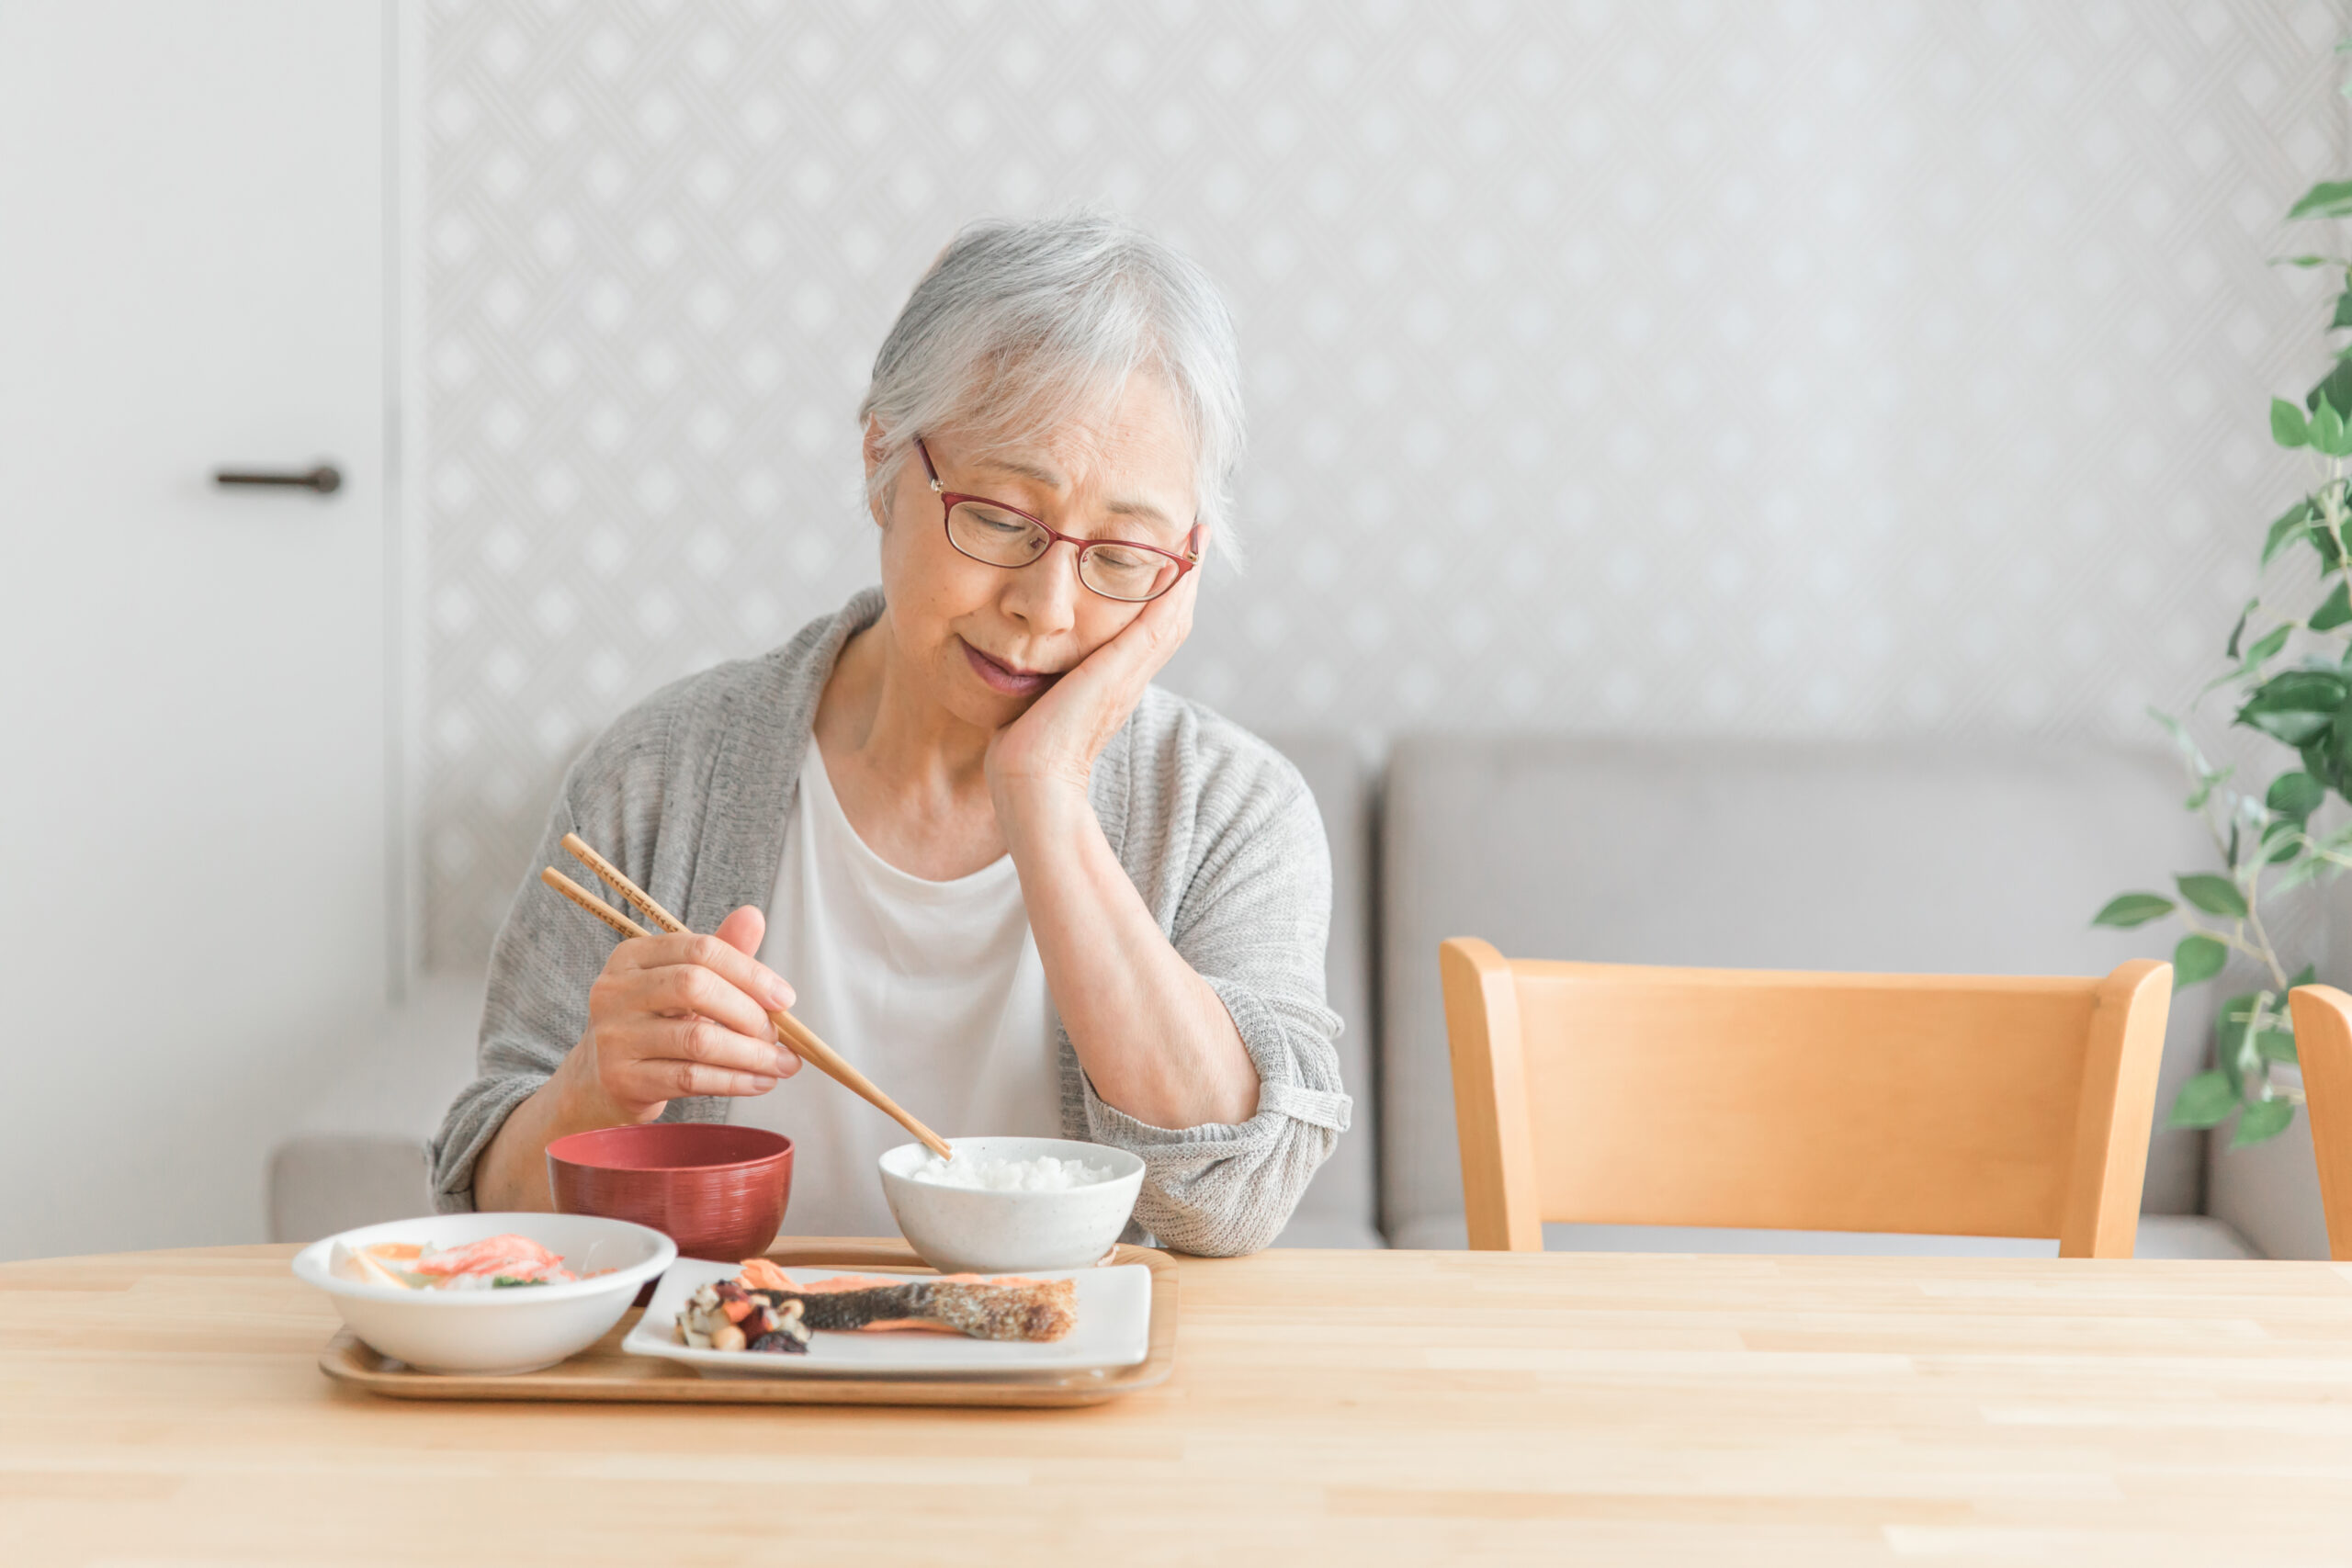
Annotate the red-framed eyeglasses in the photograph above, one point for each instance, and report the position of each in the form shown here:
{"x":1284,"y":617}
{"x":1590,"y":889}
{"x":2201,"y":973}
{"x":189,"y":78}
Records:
{"x":996,"y":534}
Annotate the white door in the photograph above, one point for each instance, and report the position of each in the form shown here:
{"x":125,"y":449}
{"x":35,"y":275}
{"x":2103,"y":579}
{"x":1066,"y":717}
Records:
{"x":193,"y":737}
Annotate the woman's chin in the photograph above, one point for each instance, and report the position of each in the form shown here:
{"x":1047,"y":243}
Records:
{"x":971,"y":700}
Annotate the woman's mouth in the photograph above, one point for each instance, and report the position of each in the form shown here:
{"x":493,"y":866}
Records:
{"x":1003,"y":679}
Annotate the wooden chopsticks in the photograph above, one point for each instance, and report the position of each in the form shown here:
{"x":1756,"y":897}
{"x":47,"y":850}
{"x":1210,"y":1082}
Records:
{"x":804,"y":1043}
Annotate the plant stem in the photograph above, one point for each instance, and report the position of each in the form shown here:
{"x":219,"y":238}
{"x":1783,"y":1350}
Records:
{"x":2269,"y":955}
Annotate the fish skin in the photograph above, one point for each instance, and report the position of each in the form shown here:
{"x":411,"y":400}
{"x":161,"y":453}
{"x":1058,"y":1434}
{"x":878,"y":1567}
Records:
{"x":1034,"y":1310}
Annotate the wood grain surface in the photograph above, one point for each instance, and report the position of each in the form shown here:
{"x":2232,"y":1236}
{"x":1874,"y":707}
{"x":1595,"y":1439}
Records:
{"x":1326,"y":1407}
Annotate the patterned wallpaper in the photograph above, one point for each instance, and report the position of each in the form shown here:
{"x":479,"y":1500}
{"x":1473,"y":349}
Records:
{"x":1828,"y":367}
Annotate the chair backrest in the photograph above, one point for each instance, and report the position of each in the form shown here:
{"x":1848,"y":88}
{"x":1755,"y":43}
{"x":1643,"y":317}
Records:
{"x":2323,"y":1049}
{"x":1985,"y":859}
{"x":1958,"y":1105}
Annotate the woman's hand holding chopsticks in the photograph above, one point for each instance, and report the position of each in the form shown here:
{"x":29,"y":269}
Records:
{"x":681,"y":1014}
{"x":672,"y":1014}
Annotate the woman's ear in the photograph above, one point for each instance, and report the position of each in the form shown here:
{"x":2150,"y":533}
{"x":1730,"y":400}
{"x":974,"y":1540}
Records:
{"x":874,"y":454}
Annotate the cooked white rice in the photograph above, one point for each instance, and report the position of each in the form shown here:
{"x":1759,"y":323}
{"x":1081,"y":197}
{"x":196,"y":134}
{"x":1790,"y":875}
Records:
{"x":1044,"y":1174}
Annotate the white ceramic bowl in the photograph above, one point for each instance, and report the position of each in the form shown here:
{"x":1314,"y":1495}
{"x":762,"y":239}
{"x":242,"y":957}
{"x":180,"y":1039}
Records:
{"x":960,"y":1230}
{"x":494,"y":1332}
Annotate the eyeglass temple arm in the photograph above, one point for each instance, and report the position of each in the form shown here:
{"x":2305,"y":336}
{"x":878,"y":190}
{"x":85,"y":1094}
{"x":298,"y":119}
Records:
{"x":924,"y":452}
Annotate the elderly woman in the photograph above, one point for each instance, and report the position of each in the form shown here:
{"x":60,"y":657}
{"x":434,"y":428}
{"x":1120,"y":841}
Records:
{"x":953,"y":826}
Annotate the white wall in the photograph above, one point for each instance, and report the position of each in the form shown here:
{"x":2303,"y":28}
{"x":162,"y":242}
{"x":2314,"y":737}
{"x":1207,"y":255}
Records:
{"x":192,"y":678}
{"x":1852,"y":369}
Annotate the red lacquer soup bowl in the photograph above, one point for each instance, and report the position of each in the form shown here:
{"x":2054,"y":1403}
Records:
{"x":717,"y":1191}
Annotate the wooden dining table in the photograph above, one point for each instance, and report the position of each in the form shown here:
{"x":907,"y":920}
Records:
{"x":1351,"y":1407}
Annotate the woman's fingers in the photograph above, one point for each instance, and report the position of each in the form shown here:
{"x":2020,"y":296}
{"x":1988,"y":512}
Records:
{"x":747,"y":973}
{"x":669,"y":1079}
{"x":688,"y":1015}
{"x":1151,"y":639}
{"x":700,"y":1040}
{"x":650,"y":1059}
{"x":743,"y":930}
{"x":689,"y":987}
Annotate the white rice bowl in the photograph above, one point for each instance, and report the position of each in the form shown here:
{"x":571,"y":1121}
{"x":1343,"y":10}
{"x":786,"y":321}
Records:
{"x":1001,"y":1209}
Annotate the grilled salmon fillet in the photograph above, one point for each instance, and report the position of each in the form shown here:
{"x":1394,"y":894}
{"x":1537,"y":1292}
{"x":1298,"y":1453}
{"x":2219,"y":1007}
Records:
{"x":1006,"y":1309}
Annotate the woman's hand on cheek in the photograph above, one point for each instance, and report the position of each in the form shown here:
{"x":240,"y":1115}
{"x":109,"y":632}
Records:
{"x":1056,"y":740}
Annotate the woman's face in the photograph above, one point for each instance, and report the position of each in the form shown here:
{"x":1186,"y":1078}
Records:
{"x":987,"y":642}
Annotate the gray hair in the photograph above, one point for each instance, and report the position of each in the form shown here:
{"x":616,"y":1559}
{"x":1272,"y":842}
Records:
{"x":1021,"y":328}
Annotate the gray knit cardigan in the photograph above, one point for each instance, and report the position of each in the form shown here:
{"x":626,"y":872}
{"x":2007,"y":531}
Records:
{"x":689,"y":791}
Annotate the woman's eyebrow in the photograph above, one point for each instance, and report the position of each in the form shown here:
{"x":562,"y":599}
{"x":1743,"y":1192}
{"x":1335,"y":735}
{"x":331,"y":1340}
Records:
{"x":1143,"y":509}
{"x":1118,"y":507}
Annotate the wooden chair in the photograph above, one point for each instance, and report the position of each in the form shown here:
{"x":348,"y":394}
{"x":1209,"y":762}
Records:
{"x":1958,"y":1105}
{"x":2323,"y":1048}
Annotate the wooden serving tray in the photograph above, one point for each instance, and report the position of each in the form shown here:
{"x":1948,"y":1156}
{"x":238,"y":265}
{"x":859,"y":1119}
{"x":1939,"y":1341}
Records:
{"x":604,"y":1371}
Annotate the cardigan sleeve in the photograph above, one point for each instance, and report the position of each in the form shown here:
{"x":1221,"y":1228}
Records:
{"x":547,"y":953}
{"x":1252,"y":921}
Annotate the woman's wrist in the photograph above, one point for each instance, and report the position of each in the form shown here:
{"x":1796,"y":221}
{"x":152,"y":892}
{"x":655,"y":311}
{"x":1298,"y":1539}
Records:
{"x":509,"y":1174}
{"x":576,"y":1098}
{"x":1038,"y":807}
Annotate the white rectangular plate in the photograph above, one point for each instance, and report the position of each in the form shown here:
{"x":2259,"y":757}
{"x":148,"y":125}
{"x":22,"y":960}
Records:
{"x":1114,"y":1330}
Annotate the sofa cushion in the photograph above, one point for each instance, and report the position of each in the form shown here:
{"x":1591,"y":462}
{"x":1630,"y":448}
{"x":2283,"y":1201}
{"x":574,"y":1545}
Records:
{"x":1342,"y":1204}
{"x":320,"y":1183}
{"x":1921,"y":859}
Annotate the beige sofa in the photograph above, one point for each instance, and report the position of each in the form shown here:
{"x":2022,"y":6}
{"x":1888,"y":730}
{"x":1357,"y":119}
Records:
{"x":1929,"y":858}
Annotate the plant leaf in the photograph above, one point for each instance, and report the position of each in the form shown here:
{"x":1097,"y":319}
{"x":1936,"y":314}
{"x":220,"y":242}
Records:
{"x":2336,"y":386}
{"x":2204,"y":1100}
{"x":2294,"y":729}
{"x":2229,"y":1025}
{"x":2326,"y":424}
{"x":2230,"y":650}
{"x":2196,"y":960}
{"x":2214,"y":895}
{"x":2304,"y":976}
{"x":2128,"y":909}
{"x":2282,"y":840}
{"x":2334,"y":610}
{"x":2275,"y":1045}
{"x":2324,"y":544}
{"x":2272,"y":641}
{"x":2305,"y":260}
{"x":2288,"y":426}
{"x":2329,"y":198}
{"x":2295,"y":705}
{"x":2295,"y":795}
{"x":2284,"y":528}
{"x":2263,"y":1120}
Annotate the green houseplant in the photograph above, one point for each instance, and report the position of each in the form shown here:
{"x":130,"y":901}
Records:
{"x":2301,"y":698}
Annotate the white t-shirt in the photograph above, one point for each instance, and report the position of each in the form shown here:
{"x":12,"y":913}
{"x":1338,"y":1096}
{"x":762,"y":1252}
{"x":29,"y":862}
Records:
{"x":933,"y":988}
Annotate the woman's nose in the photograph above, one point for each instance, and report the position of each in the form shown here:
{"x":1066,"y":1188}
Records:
{"x":1044,"y":594}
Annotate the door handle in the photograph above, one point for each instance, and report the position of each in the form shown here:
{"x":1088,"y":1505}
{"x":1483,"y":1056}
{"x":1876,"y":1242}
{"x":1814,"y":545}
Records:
{"x":326,"y":478}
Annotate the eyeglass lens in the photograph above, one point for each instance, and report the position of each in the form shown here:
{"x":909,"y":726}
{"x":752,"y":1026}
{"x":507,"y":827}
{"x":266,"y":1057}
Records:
{"x":1000,"y":539}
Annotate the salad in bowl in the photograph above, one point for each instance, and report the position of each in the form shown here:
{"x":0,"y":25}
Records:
{"x":485,"y":1293}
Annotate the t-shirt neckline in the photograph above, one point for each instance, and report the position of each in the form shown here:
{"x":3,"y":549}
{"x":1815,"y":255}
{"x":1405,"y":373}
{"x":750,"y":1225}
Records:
{"x":817,"y":794}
